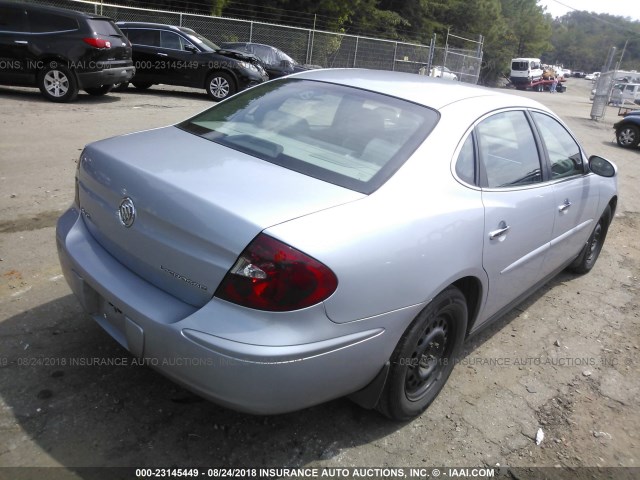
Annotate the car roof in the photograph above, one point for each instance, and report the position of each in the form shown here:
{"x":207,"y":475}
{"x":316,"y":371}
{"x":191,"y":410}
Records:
{"x":428,"y":91}
{"x":150,"y":25}
{"x":62,"y":11}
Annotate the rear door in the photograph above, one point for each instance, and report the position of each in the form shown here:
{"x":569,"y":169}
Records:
{"x":519,"y":207}
{"x":145,"y":42}
{"x":14,"y":46}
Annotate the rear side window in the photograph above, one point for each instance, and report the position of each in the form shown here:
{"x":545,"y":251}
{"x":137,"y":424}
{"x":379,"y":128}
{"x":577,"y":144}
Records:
{"x":45,"y":22}
{"x":342,"y":135}
{"x":508,"y":153}
{"x":150,"y":38}
{"x":466,"y":163}
{"x":13,"y":19}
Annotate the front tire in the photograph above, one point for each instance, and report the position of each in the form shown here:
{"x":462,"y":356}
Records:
{"x":219,"y":86}
{"x":57,"y":83}
{"x":628,"y":136}
{"x":591,"y":251}
{"x":425,"y":355}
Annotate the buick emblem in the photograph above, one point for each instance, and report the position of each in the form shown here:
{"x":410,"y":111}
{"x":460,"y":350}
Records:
{"x":127,"y":212}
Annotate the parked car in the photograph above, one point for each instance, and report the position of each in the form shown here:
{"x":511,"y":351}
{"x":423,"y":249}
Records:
{"x":61,"y":51}
{"x":334,"y":232}
{"x":628,"y":130}
{"x":443,"y":72}
{"x":592,"y":76}
{"x":579,"y":74}
{"x":275,"y":61}
{"x":180,"y":56}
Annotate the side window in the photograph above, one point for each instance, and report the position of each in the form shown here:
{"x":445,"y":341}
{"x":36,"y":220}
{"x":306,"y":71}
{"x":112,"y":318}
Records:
{"x":466,"y":165}
{"x":13,"y":19}
{"x":508,"y":153}
{"x":170,"y":40}
{"x":150,"y":38}
{"x":40,"y":22}
{"x":564,"y":152}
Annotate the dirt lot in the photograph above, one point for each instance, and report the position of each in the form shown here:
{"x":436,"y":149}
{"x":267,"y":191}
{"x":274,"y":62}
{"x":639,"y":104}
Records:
{"x":565,"y":361}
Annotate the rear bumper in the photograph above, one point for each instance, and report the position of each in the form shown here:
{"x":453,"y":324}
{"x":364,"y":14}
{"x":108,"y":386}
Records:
{"x":214,"y":350}
{"x":108,"y":76}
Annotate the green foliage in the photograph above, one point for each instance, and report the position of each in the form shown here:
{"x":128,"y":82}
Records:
{"x":581,"y":41}
{"x":510,"y":28}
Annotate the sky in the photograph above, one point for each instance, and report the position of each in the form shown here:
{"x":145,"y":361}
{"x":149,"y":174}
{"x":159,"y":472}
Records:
{"x":624,"y":8}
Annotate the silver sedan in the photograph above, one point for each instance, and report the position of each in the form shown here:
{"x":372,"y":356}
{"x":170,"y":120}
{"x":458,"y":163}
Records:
{"x":334,"y":233}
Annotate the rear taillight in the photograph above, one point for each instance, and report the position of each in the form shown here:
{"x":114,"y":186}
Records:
{"x":97,"y":42}
{"x":271,"y":275}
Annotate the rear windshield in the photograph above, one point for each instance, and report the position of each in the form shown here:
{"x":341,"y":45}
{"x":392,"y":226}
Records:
{"x":520,"y":66}
{"x":104,"y":27}
{"x":342,"y":135}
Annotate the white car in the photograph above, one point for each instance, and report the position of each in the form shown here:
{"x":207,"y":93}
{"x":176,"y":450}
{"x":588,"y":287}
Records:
{"x":443,"y":72}
{"x":331,"y":233}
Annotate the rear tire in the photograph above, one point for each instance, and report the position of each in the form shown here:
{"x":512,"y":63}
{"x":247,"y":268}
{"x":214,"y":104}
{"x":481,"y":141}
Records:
{"x":425,"y":356}
{"x":142,"y":85}
{"x":219,"y":86}
{"x":591,"y":251}
{"x":628,"y":136}
{"x":57,"y":83}
{"x":99,"y":91}
{"x":120,"y":87}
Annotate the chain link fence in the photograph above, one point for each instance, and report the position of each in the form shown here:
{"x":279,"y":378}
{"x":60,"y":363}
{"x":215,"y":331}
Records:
{"x":315,"y":47}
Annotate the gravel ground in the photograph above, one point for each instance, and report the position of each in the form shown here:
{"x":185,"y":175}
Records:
{"x":565,"y":361}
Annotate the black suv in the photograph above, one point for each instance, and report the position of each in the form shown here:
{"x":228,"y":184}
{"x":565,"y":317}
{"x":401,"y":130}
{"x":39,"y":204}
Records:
{"x":61,"y":51}
{"x":180,"y":56}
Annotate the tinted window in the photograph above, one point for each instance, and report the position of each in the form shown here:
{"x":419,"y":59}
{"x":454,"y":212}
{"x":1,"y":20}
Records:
{"x":564,"y":152}
{"x":104,"y":27}
{"x":466,"y":165}
{"x":42,"y":22}
{"x":171,"y":40}
{"x":508,"y":152}
{"x":342,"y":135}
{"x":13,"y":19}
{"x":149,"y":38}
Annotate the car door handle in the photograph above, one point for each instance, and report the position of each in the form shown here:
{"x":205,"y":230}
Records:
{"x":565,"y":205}
{"x":504,"y":228}
{"x":163,"y":54}
{"x":21,"y":42}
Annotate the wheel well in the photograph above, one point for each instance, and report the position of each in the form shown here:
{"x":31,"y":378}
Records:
{"x":471,"y":288}
{"x":613,"y":203}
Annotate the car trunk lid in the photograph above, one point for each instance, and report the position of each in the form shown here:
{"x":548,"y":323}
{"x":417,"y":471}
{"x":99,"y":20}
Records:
{"x":197,"y":205}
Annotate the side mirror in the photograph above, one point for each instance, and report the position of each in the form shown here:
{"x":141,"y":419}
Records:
{"x":191,"y":48}
{"x":601,"y":166}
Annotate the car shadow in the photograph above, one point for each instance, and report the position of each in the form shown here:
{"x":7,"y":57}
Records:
{"x":154,"y":91}
{"x":82,"y":399}
{"x":77,"y":394}
{"x":487,"y":332}
{"x":34,"y":95}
